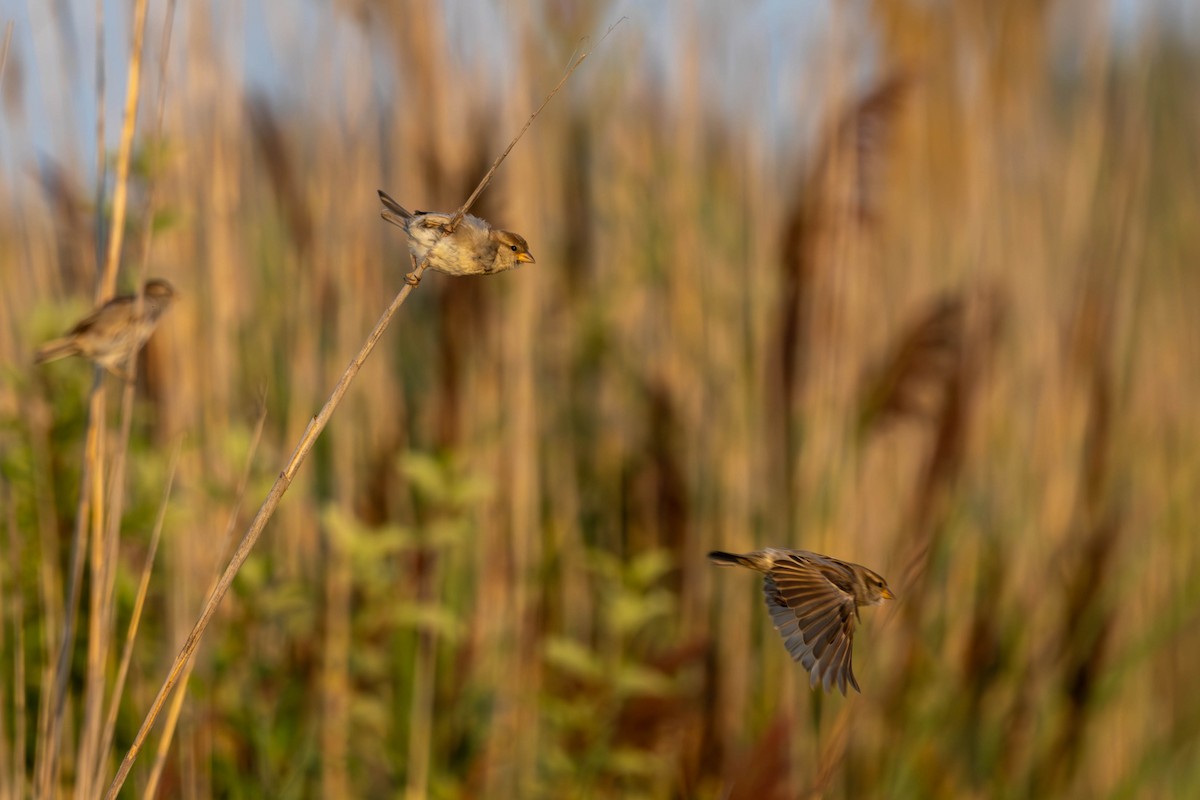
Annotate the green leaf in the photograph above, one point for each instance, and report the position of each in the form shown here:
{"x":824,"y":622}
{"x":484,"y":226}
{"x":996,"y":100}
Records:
{"x":430,"y":617}
{"x":573,"y":658}
{"x":640,"y":679}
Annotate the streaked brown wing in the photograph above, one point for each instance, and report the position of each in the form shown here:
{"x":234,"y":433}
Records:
{"x":815,"y":617}
{"x":106,"y":318}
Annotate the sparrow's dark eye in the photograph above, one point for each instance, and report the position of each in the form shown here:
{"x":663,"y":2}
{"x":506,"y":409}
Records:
{"x":512,"y":247}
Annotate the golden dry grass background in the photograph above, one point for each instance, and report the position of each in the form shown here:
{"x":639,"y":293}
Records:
{"x":949,"y":335}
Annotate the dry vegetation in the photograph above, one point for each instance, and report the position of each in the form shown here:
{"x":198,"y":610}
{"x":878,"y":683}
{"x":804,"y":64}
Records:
{"x":951,"y":336}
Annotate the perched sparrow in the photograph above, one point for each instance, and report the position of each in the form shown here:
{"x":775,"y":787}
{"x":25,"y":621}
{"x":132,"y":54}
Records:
{"x":115,"y":331}
{"x":814,"y":602}
{"x":475,"y":247}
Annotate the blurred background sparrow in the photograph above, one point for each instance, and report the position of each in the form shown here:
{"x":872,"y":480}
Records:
{"x":814,"y":600}
{"x":475,"y":247}
{"x":114,"y":331}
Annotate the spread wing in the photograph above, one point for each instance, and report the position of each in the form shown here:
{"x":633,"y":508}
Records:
{"x":816,"y":618}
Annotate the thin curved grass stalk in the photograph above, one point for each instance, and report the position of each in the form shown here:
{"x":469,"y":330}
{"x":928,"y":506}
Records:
{"x":101,"y":149}
{"x":16,"y":766}
{"x":420,"y":718}
{"x":164,"y":742}
{"x":311,"y":433}
{"x":106,"y":546}
{"x":50,"y":718}
{"x":172,"y":721}
{"x":50,"y":578}
{"x":335,"y":681}
{"x":833,"y":754}
{"x":8,"y":29}
{"x":110,"y":719}
{"x":99,"y":632}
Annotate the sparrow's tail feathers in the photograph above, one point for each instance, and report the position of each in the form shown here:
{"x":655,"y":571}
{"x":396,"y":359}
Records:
{"x":55,"y":349}
{"x":729,"y":559}
{"x":392,"y":211}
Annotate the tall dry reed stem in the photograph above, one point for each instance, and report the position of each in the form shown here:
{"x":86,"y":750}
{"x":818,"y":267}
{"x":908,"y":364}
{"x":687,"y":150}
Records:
{"x":101,"y":151}
{"x":168,"y":733}
{"x":98,"y":631}
{"x":116,"y":234}
{"x":53,"y":707}
{"x":103,"y":513}
{"x":51,"y":711}
{"x":139,"y":602}
{"x":8,"y":29}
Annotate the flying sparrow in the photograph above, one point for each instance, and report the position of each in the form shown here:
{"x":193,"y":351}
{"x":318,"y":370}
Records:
{"x":114,"y":331}
{"x":814,"y":602}
{"x":475,"y":247}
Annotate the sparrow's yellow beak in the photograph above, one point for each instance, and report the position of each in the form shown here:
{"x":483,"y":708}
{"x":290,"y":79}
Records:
{"x":886,"y":594}
{"x":526,"y":258}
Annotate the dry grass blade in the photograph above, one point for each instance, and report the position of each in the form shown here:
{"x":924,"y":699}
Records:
{"x":98,"y":629}
{"x":8,"y":29}
{"x":164,"y":744}
{"x":1088,"y":621}
{"x":16,"y":765}
{"x":118,"y":689}
{"x":108,"y":278}
{"x":834,"y":752}
{"x":101,"y":152}
{"x":50,"y":723}
{"x":307,"y":440}
{"x":1089,"y":614}
{"x":172,"y":720}
{"x":982,"y":652}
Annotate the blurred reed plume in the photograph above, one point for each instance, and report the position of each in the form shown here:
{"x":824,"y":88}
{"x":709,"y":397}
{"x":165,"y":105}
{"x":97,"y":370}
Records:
{"x":905,"y":286}
{"x":837,"y":197}
{"x":919,"y":364}
{"x":271,"y":145}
